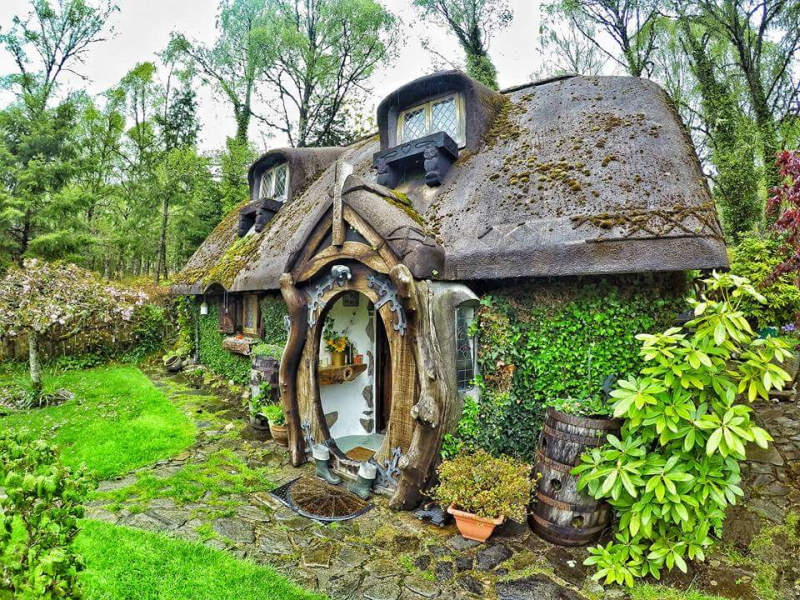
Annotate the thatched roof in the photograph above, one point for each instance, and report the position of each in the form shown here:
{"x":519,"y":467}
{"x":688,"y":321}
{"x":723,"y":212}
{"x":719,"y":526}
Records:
{"x":577,"y":176}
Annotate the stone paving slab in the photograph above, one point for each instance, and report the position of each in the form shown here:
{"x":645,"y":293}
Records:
{"x":390,"y":555}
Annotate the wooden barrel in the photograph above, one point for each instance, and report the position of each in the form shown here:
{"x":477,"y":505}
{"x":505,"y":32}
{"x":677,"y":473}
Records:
{"x":561,"y":514}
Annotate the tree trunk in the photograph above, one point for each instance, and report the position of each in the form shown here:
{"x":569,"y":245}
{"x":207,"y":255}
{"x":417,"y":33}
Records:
{"x":33,"y":362}
{"x":162,"y":243}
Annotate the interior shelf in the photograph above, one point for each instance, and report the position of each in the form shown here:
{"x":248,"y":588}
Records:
{"x":343,"y":374}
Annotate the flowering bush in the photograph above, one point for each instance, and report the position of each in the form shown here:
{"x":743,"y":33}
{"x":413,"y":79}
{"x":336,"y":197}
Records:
{"x":675,"y":468}
{"x":57,"y":301}
{"x":786,"y":198}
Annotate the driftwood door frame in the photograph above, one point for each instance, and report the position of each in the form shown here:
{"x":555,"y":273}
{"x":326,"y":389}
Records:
{"x":424,"y":398}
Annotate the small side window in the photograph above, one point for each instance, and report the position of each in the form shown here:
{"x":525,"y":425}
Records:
{"x":250,"y":315}
{"x":275,"y":183}
{"x":465,"y":347}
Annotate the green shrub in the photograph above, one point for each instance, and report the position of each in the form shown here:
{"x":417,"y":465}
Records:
{"x":38,"y":520}
{"x":675,"y":469}
{"x":484,"y":485}
{"x":211,"y":353}
{"x":544,"y":342}
{"x":756,"y":258}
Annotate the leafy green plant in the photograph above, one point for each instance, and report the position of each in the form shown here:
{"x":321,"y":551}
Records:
{"x":39,"y":516}
{"x":757,"y":258}
{"x":675,"y":468}
{"x":261,"y":401}
{"x":274,"y":414}
{"x":484,"y":485}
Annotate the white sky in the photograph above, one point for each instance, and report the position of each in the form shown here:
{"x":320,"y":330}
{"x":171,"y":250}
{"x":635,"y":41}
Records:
{"x":142,"y":29}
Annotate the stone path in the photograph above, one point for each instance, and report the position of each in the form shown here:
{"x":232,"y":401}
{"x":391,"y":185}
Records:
{"x":389,"y":555}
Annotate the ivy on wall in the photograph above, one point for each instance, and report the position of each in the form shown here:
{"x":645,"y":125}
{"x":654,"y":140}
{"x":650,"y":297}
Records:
{"x":273,"y":309}
{"x":556,"y":340}
{"x":211,"y":353}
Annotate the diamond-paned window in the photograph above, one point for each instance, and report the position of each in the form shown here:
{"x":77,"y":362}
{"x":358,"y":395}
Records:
{"x":274,"y":183}
{"x":414,"y":124}
{"x":442,"y":114}
{"x":465,"y":348}
{"x":444,"y":117}
{"x":279,"y":187}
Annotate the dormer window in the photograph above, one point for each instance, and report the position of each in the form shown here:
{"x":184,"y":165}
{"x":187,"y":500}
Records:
{"x":274,"y":183}
{"x":442,"y":114}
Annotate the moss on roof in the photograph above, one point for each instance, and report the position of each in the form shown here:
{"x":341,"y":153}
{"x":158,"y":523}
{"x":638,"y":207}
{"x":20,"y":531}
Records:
{"x":201,"y":263}
{"x":402,"y":202}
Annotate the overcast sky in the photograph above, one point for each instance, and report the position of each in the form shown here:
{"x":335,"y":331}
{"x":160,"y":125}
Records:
{"x":142,"y":29}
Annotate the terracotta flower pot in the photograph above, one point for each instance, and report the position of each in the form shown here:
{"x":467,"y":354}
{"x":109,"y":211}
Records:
{"x":337,"y":359}
{"x":473,"y":527}
{"x":279,"y":433}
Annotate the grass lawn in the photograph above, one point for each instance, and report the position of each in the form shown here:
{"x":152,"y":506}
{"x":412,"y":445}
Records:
{"x":117,"y":421}
{"x":124,"y":563}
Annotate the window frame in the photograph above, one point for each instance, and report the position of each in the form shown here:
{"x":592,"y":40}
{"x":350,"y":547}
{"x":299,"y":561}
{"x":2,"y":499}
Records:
{"x":472,"y":307}
{"x":428,"y":108}
{"x":249,"y":302}
{"x":271,"y":174}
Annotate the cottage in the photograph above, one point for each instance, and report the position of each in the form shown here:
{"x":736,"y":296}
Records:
{"x":383,"y":244}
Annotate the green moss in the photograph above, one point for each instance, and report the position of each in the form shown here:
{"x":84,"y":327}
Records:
{"x":402,"y":202}
{"x":225,"y":270}
{"x":219,"y":237}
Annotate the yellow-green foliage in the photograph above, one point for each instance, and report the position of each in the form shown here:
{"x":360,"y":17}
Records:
{"x":486,"y":486}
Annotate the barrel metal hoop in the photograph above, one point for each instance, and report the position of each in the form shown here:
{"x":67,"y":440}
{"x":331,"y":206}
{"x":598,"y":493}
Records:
{"x":567,"y":531}
{"x":587,"y":422}
{"x":544,"y":498}
{"x":553,"y":464}
{"x":573,"y":437}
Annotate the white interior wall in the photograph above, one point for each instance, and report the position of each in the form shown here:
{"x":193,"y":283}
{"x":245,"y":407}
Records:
{"x":351,"y":405}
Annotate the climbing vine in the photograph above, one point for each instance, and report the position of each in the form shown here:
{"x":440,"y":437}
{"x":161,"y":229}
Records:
{"x":273,"y":310}
{"x":214,"y":356}
{"x":549,"y":341}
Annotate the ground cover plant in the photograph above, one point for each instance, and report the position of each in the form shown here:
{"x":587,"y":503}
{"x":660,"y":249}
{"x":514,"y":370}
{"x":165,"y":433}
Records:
{"x":219,"y":480}
{"x":124,"y":563}
{"x":117,"y":421}
{"x":675,"y":468}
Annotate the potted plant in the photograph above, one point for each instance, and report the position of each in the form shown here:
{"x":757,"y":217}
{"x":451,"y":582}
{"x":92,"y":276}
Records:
{"x":336,"y":343}
{"x":481,"y":491}
{"x":277,"y":423}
